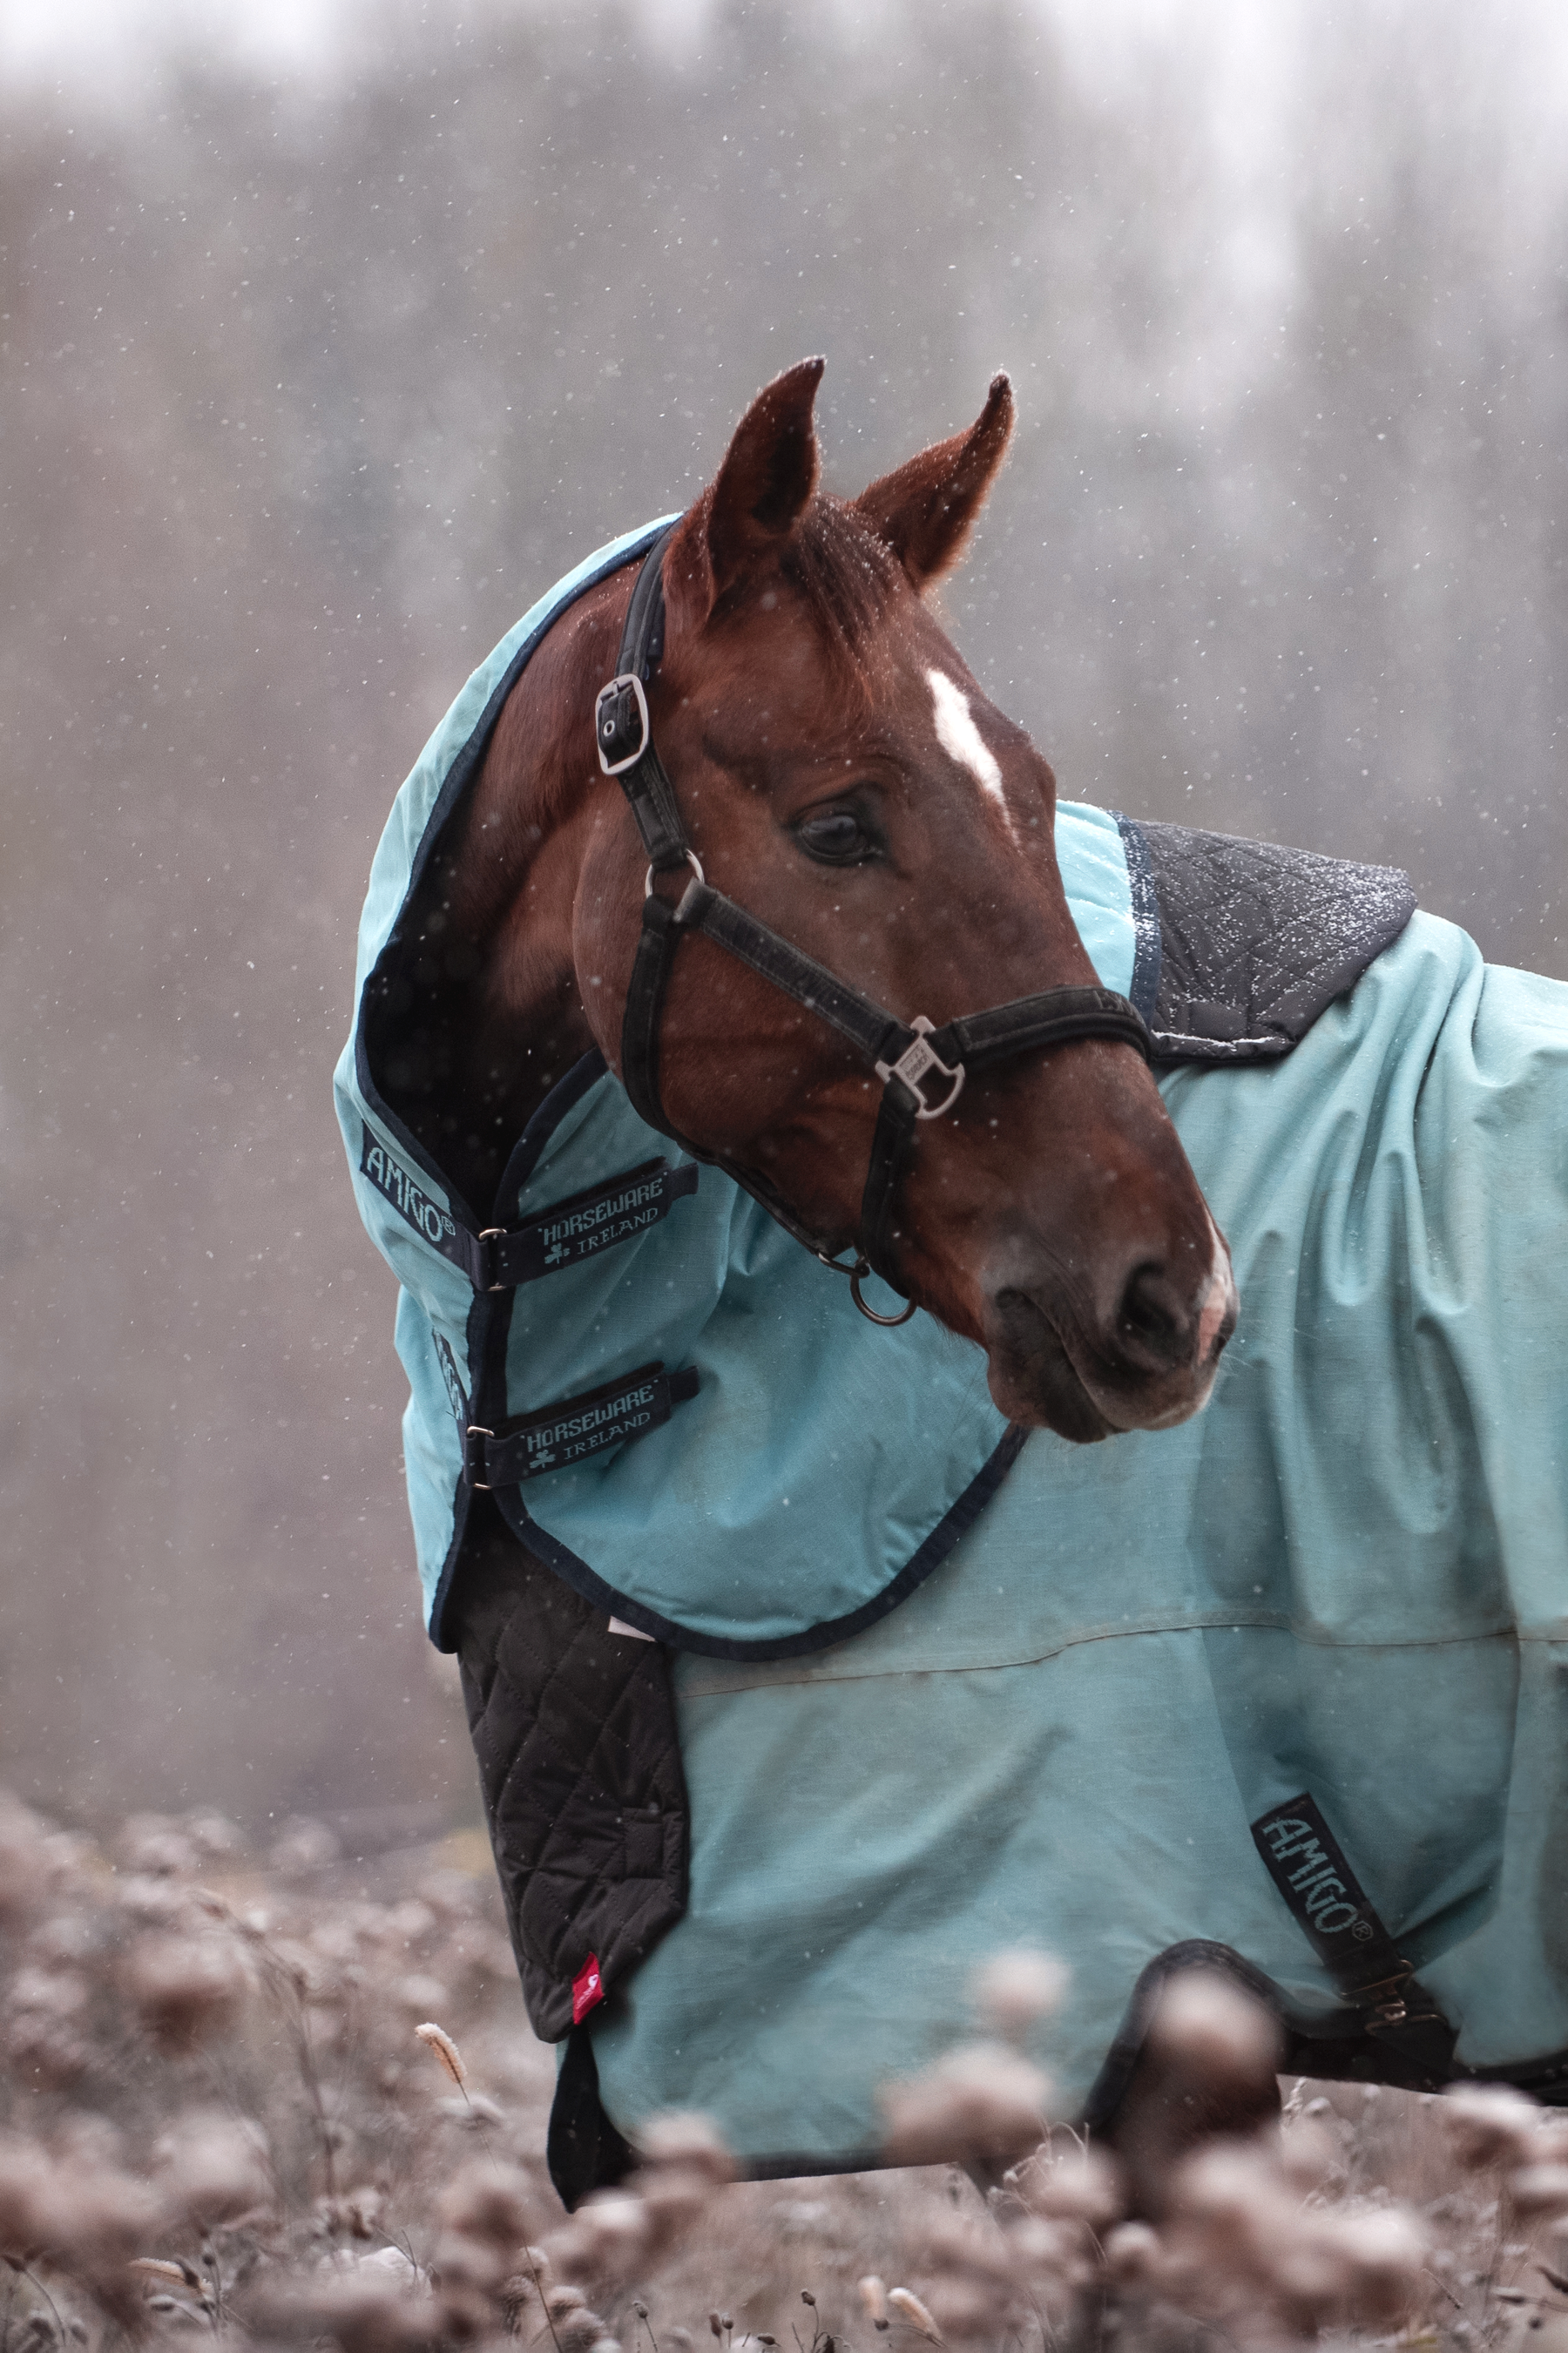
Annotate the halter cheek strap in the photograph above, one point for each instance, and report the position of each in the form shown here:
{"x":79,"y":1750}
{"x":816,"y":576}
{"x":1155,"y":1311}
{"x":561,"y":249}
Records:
{"x":922,"y":1069}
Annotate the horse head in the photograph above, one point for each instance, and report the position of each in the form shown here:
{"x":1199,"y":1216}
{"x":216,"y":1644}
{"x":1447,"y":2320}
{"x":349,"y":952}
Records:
{"x":841,"y":777}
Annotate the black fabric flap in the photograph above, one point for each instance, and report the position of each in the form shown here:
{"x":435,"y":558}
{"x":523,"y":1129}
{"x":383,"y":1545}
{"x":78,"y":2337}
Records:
{"x":1255,"y":940}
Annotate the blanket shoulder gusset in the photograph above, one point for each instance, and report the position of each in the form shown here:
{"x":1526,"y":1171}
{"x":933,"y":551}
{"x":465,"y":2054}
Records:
{"x":1254,"y":940}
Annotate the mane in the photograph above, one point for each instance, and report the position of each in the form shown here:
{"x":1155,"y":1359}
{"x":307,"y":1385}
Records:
{"x":844,"y":572}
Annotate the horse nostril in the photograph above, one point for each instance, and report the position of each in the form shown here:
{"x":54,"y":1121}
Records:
{"x":1151,"y":1325}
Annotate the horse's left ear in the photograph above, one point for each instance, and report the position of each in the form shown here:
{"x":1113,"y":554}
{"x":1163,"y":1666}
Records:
{"x":924,"y":509}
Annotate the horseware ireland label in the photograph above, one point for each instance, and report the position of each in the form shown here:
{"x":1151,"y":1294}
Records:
{"x":579,"y":1426}
{"x":1308,"y":1867}
{"x":591,"y":1222}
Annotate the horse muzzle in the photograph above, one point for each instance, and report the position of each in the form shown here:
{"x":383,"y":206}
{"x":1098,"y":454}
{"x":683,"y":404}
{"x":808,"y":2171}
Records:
{"x":1146,"y":1360}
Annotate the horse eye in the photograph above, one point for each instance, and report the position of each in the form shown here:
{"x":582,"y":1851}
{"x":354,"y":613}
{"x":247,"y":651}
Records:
{"x":835,"y":835}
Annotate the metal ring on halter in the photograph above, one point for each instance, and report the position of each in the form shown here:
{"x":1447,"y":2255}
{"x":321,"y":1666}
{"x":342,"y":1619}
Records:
{"x":692,"y":861}
{"x":863,"y":1266}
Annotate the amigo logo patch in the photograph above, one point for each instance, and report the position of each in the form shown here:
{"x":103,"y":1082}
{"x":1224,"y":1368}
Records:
{"x":408,"y":1197}
{"x":1308,"y":1867}
{"x":564,"y":1235}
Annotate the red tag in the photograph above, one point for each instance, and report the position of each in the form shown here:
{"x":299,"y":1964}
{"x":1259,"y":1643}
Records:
{"x":587,"y":1992}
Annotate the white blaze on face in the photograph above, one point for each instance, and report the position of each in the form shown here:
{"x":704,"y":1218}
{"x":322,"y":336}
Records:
{"x":961,"y":740}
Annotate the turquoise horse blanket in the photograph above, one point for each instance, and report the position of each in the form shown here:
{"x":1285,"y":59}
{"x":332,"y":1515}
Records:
{"x":943,"y":1689}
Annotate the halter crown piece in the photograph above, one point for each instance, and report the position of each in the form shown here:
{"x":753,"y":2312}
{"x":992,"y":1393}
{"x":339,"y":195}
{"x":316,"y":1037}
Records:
{"x":922,"y":1069}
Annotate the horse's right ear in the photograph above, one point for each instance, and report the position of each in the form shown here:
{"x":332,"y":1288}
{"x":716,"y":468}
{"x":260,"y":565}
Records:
{"x":751,"y":506}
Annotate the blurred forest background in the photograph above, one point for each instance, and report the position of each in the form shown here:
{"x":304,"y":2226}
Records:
{"x":313,"y":380}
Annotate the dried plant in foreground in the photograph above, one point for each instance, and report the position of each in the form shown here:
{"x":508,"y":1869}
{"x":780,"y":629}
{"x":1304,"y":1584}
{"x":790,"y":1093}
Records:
{"x":226,"y":2107}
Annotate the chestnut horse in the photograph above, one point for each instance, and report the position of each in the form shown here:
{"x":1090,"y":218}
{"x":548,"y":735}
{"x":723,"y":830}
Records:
{"x":1279,"y":1691}
{"x":842,"y":776}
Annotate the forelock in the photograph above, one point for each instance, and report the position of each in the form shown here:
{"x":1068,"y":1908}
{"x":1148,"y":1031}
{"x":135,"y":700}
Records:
{"x":845,"y":572}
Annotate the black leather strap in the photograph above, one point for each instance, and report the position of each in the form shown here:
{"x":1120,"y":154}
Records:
{"x":877,"y":1034}
{"x":644,"y":1012}
{"x":1053,"y":1017}
{"x":647,"y":789}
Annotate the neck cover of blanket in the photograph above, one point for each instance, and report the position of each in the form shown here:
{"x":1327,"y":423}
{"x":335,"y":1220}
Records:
{"x":668,"y":1393}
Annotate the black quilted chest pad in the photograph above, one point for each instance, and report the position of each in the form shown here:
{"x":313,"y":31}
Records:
{"x":574,"y":1728}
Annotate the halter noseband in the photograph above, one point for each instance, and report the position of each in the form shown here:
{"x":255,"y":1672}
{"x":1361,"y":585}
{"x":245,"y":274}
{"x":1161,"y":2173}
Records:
{"x":907,"y":1057}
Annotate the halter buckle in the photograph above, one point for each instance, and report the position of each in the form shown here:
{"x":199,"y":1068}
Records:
{"x":914,"y":1062}
{"x":620,"y":713}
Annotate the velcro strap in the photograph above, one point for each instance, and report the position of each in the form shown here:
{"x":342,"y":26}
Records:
{"x":568,"y":1432}
{"x":580,"y":1226}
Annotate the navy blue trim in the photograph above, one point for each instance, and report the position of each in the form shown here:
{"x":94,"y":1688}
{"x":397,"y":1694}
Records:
{"x":1144,"y":991}
{"x":460,"y":777}
{"x":482,"y":1320}
{"x":954,"y":1522}
{"x":585,"y":1072}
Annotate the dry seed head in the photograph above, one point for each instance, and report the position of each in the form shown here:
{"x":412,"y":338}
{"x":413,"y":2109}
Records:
{"x":687,"y":2140}
{"x":489,"y":2202}
{"x":1383,"y":2250}
{"x":982,"y":2101}
{"x":1014,"y":1990}
{"x":609,"y":2232}
{"x":1540,"y":2189}
{"x":1223,"y":2034}
{"x":1306,"y":2154}
{"x":909,"y":2307}
{"x":1132,"y":2253}
{"x":1082,"y":2186}
{"x":437,"y":2039}
{"x":184,"y":1988}
{"x":212,"y":2166}
{"x":874,"y":2296}
{"x":581,"y":2330}
{"x":1489,"y":2123}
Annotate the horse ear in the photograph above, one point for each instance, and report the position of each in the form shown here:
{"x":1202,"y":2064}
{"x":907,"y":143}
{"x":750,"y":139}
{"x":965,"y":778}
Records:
{"x":924,"y":509}
{"x":751,"y":506}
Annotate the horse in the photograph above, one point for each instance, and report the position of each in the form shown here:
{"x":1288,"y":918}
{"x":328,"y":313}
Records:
{"x":811,"y":1652}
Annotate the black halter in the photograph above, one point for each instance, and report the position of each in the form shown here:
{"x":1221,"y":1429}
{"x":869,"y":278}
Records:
{"x":905,"y":1056}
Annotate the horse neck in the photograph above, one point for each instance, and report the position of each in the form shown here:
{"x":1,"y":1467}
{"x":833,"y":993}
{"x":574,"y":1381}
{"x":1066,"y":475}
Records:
{"x":498,"y":1016}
